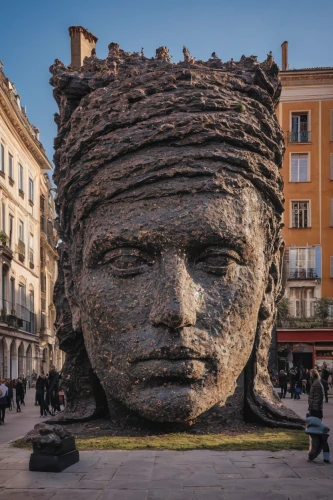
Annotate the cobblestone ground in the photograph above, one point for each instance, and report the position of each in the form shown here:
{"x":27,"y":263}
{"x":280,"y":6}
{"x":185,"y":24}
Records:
{"x":172,"y":475}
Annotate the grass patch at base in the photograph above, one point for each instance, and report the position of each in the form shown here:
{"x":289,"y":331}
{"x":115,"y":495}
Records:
{"x":263,"y":440}
{"x":271,"y":440}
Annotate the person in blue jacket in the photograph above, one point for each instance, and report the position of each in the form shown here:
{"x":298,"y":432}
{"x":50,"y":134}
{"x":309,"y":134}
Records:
{"x":318,"y":433}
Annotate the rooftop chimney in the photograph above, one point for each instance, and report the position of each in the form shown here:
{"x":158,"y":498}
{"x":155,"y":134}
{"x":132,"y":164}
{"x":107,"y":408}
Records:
{"x":82,"y":45}
{"x":285,"y":65}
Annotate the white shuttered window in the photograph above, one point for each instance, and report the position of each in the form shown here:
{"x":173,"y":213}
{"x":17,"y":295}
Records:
{"x":299,"y":167}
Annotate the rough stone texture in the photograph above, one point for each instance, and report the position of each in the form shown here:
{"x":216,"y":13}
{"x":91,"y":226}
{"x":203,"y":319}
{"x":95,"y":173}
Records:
{"x":48,"y":439}
{"x":169,"y":202}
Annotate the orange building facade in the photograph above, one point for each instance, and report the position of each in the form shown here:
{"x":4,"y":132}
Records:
{"x":306,"y":116}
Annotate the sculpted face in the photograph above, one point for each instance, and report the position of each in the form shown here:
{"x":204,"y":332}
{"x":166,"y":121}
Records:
{"x":169,"y":293}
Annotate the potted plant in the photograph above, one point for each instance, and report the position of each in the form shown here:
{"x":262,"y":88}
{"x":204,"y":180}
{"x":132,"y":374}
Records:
{"x":3,"y":238}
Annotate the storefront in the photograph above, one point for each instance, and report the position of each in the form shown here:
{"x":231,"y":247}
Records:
{"x":307,"y":348}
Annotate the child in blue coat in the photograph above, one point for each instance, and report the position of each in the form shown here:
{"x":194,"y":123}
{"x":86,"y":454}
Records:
{"x":318,"y":433}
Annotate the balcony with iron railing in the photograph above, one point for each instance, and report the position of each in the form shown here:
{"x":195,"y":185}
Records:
{"x":303,"y":273}
{"x":299,"y":137}
{"x":20,"y":317}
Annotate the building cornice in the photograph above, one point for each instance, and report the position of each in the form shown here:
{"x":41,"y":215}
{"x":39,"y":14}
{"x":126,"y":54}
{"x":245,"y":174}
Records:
{"x":307,"y":77}
{"x":17,"y":334}
{"x":11,"y":111}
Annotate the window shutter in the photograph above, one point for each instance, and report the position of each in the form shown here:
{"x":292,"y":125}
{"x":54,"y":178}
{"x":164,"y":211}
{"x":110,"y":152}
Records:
{"x":331,"y":166}
{"x":318,"y":262}
{"x":331,"y":267}
{"x":331,"y":213}
{"x":331,"y":138}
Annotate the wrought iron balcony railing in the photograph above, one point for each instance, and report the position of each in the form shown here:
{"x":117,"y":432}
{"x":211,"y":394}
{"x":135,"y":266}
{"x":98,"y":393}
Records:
{"x":299,"y":136}
{"x":303,"y":273}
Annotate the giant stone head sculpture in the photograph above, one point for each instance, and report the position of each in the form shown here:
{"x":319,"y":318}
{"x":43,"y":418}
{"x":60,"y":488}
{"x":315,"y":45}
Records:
{"x":169,"y":202}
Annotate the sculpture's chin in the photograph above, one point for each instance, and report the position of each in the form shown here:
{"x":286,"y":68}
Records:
{"x":169,"y":404}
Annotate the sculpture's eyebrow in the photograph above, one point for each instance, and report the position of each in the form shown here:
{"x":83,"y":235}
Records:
{"x":155,"y":241}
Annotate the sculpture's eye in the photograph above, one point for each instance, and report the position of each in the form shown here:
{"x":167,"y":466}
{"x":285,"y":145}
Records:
{"x":127,"y":261}
{"x":217,"y":260}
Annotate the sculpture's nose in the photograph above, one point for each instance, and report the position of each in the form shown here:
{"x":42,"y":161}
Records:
{"x":175,"y":303}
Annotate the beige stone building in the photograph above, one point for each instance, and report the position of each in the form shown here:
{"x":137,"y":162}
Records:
{"x":28,"y":257}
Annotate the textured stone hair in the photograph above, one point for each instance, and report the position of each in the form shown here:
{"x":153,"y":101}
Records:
{"x":129,"y":121}
{"x":131,"y":127}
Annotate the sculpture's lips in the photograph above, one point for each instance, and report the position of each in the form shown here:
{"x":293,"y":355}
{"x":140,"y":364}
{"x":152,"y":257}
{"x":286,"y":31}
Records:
{"x":162,"y":370}
{"x":172,"y":354}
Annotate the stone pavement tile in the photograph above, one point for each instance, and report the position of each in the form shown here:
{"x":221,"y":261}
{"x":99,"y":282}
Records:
{"x":16,"y":466}
{"x":168,"y":472}
{"x":76,"y":495}
{"x":166,"y":484}
{"x":277,"y":470}
{"x":255,"y":495}
{"x":256,"y":484}
{"x":137,"y":465}
{"x":170,"y":495}
{"x":125,"y":474}
{"x":252,"y":473}
{"x":203,"y":478}
{"x":12,"y":494}
{"x":143,"y":453}
{"x":226,"y":469}
{"x":6,"y":474}
{"x":267,"y":460}
{"x":107,"y":465}
{"x":315,"y":473}
{"x":129,"y":484}
{"x":100,"y":474}
{"x":27,"y":479}
{"x":90,"y":484}
{"x":208,"y":494}
{"x":308,"y":489}
{"x":124,"y":495}
{"x":328,"y":470}
{"x":238,"y":456}
{"x":260,"y":453}
{"x":302,"y":462}
{"x":229,"y":476}
{"x":84,"y":463}
{"x":241,"y":465}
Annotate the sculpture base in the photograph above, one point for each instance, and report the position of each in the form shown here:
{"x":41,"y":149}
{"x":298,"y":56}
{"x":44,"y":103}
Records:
{"x":52,"y":463}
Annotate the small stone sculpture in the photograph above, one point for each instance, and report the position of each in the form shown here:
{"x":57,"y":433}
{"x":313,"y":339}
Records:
{"x":170,"y":202}
{"x":53,"y":448}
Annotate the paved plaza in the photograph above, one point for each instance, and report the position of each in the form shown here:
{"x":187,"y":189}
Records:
{"x":167,"y":475}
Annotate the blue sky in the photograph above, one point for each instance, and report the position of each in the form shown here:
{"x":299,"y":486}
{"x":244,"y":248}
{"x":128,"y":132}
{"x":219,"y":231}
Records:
{"x":35,"y":32}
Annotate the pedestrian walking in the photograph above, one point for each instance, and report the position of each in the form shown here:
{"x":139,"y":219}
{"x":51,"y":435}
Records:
{"x":283,"y":383}
{"x":324,"y":383}
{"x":318,"y":433}
{"x":53,"y":391}
{"x":41,"y":388}
{"x":316,"y":396}
{"x":3,"y":400}
{"x":325,"y":372}
{"x":306,"y":381}
{"x":19,"y":394}
{"x":9,"y":386}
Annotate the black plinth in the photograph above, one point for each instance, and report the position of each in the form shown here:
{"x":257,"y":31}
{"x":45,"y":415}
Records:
{"x":52,"y":463}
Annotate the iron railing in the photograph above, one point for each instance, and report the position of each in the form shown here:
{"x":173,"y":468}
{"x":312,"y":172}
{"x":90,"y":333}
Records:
{"x":299,"y":136}
{"x":303,"y":273}
{"x":20,"y":317}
